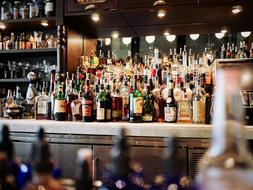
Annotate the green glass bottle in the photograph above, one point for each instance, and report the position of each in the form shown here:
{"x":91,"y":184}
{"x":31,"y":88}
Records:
{"x":108,"y":104}
{"x":101,"y":105}
{"x":60,"y":104}
{"x":149,"y":112}
{"x":136,"y":105}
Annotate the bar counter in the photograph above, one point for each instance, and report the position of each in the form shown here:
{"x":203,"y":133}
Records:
{"x":112,"y":128}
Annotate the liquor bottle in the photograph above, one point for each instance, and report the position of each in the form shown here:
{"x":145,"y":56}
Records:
{"x":178,"y":91}
{"x":125,"y":99}
{"x":43,"y":105}
{"x":228,"y":163}
{"x":223,"y":52}
{"x":76,"y":108}
{"x":228,"y":52}
{"x":184,"y":114}
{"x":60,"y":104}
{"x":117,"y":106}
{"x":161,"y":104}
{"x":84,"y":172}
{"x":49,"y":8}
{"x":6,"y":102}
{"x":136,"y":104}
{"x":101,"y":105}
{"x":108,"y":104}
{"x":251,"y":51}
{"x":87,"y":104}
{"x":43,"y":167}
{"x":31,"y":94}
{"x":69,"y":96}
{"x":206,"y":69}
{"x":198,"y":106}
{"x":233,"y":53}
{"x":170,"y":110}
{"x":149,"y":112}
{"x":8,"y":169}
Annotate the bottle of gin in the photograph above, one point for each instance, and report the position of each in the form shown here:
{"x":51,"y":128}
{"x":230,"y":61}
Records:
{"x":228,"y":163}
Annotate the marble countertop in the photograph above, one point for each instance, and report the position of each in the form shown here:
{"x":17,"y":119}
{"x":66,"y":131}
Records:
{"x":112,"y":128}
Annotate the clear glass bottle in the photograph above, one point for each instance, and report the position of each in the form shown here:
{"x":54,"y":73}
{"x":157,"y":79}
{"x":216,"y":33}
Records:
{"x":228,"y":163}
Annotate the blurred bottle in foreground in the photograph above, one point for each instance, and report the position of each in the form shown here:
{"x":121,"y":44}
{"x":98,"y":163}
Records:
{"x":227,"y":164}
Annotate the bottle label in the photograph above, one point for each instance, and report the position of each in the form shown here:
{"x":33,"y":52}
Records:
{"x":137,"y":105}
{"x":87,"y":108}
{"x":100,"y":113}
{"x":147,"y":117}
{"x":116,"y":113}
{"x":60,"y":106}
{"x":170,"y":114}
{"x":108,"y":114}
{"x":42,"y":107}
{"x":76,"y":109}
{"x":184,"y":111}
{"x":49,"y":7}
{"x":198,"y":114}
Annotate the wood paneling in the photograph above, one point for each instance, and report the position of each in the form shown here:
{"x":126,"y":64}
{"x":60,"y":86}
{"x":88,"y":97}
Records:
{"x":89,"y":46}
{"x":74,"y":49}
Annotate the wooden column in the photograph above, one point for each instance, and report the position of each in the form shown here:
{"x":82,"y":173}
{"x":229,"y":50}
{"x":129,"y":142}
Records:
{"x":61,"y":48}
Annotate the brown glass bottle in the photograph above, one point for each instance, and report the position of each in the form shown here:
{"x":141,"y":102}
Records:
{"x":87,"y":104}
{"x":117,"y":102}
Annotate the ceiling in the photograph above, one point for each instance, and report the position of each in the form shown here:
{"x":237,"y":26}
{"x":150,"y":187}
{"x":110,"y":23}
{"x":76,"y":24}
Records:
{"x":139,"y":17}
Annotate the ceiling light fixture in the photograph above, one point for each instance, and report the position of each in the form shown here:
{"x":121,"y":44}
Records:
{"x":161,"y":13}
{"x":166,"y":33}
{"x":44,"y":23}
{"x":245,"y":34}
{"x":159,"y":3}
{"x":194,"y":36}
{"x":171,"y":38}
{"x":107,"y":41}
{"x":150,"y":39}
{"x":115,"y":34}
{"x":237,"y":9}
{"x":219,"y":35}
{"x":126,"y":40}
{"x":95,"y":17}
{"x":224,"y":31}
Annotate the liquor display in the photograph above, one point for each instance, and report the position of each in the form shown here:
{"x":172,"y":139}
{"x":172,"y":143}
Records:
{"x":23,"y":41}
{"x":25,"y":10}
{"x":174,"y":89}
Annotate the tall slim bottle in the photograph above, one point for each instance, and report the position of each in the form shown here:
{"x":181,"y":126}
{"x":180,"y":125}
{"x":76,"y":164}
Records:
{"x":228,"y":163}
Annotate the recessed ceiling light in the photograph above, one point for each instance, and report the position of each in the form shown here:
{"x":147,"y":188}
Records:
{"x":150,"y":39}
{"x":95,"y":17}
{"x":224,"y":30}
{"x":166,"y":33}
{"x":237,"y":9}
{"x":159,"y":3}
{"x":44,"y":23}
{"x":161,"y":13}
{"x":194,"y":36}
{"x":115,"y":34}
{"x":245,"y":34}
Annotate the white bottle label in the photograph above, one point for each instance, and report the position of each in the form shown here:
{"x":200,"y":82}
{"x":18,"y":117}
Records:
{"x":108,"y":114}
{"x":76,"y":109}
{"x":198,"y":114}
{"x":49,"y":7}
{"x":170,"y":114}
{"x":100,"y":113}
{"x":147,"y":118}
{"x":60,"y":106}
{"x":184,"y":111}
{"x":42,"y":107}
{"x":137,"y":104}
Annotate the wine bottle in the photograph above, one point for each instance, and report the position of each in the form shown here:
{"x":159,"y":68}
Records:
{"x":228,"y":163}
{"x":149,"y":112}
{"x":170,"y":110}
{"x":108,"y":104}
{"x":136,"y":104}
{"x":101,"y":105}
{"x":60,"y":104}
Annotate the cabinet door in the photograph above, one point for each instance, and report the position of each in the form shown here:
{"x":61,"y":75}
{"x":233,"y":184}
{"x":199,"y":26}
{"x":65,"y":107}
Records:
{"x":73,"y":7}
{"x":149,"y":157}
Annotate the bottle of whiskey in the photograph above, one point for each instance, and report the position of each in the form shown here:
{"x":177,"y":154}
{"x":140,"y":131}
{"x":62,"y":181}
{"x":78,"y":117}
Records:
{"x":6,"y":102}
{"x":60,"y":104}
{"x":136,"y":104}
{"x":101,"y":105}
{"x":43,"y":105}
{"x":170,"y":110}
{"x":198,"y":106}
{"x":161,"y":104}
{"x":184,"y":109}
{"x":125,"y":104}
{"x":76,"y":108}
{"x":108,"y":103}
{"x":70,"y":96}
{"x":117,"y":104}
{"x":228,"y":163}
{"x":87,"y":104}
